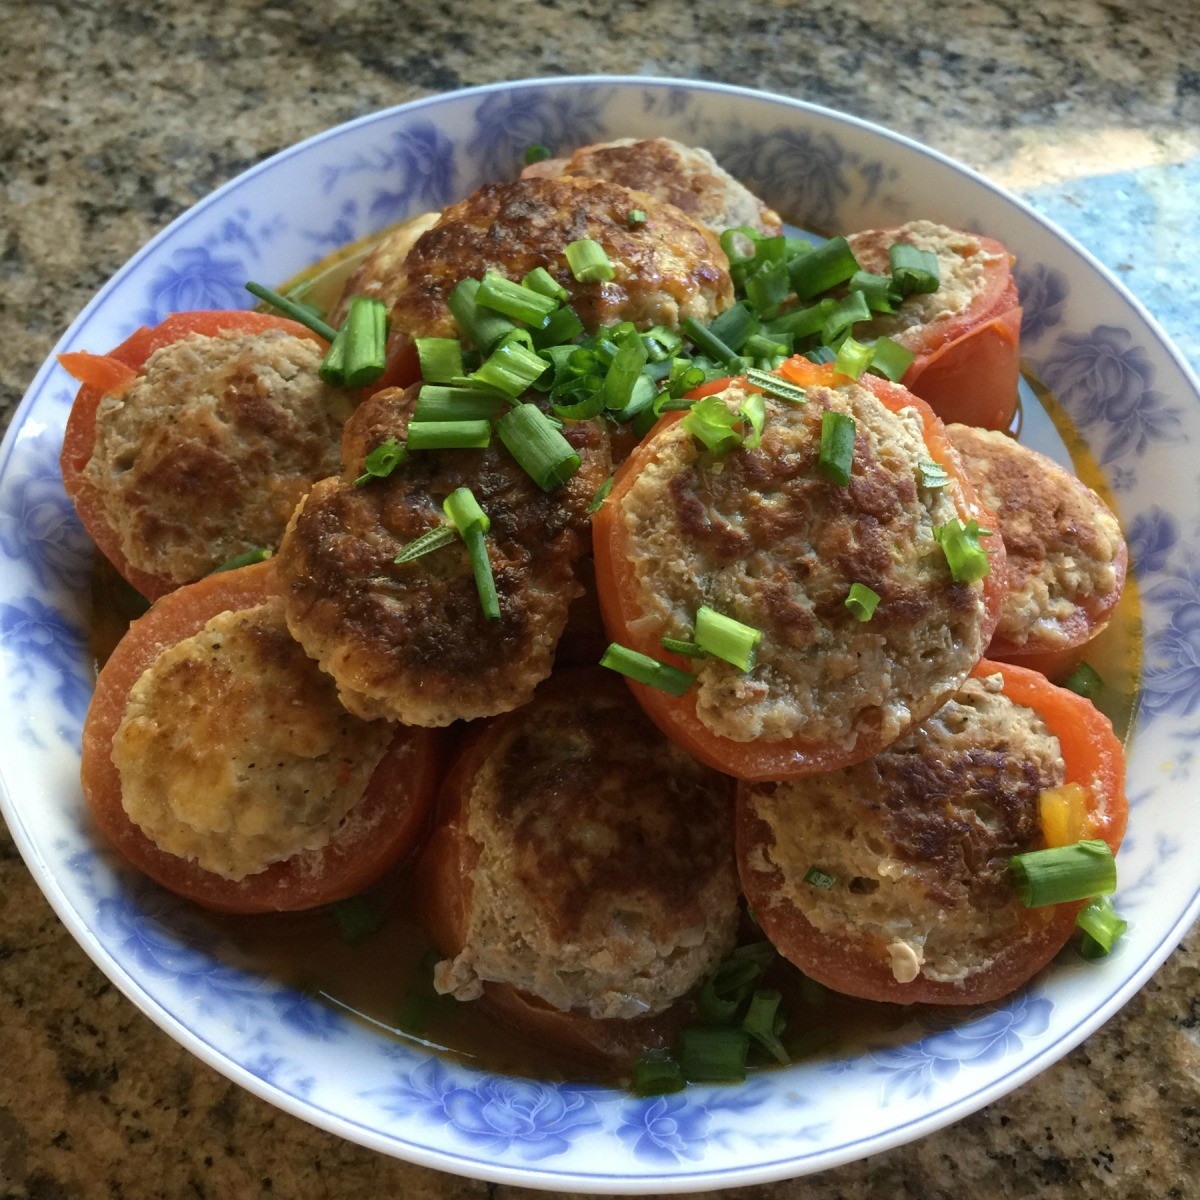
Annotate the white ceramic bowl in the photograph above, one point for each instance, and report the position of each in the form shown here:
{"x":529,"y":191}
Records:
{"x":1127,"y":391}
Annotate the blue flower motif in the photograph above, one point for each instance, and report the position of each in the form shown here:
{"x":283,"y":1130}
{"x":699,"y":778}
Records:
{"x":1043,"y":291}
{"x":800,"y":172}
{"x":38,"y":524}
{"x":423,"y":164}
{"x":509,"y":121}
{"x":1104,"y":380}
{"x":197,"y":278}
{"x":1171,"y":672}
{"x":306,"y":1014}
{"x":1150,"y":536}
{"x":37,"y":636}
{"x":665,"y":1129}
{"x":496,"y":1114}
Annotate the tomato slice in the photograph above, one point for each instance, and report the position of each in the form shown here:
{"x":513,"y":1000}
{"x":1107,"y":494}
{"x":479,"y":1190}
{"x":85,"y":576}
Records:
{"x":388,"y":820}
{"x":116,"y":370}
{"x":1093,"y":758}
{"x":676,"y":715}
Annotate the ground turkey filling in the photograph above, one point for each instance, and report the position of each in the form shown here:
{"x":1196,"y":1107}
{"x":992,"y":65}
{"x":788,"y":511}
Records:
{"x":763,"y":537}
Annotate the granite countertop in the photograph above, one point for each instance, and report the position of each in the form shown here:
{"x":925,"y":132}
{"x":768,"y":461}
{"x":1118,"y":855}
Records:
{"x":117,"y":117}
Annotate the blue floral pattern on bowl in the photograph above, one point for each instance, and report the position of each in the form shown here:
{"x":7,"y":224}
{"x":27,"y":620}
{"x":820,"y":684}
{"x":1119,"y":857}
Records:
{"x":1128,"y":394}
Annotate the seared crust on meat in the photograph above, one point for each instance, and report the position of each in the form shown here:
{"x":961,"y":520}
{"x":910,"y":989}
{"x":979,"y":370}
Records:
{"x":918,"y":840}
{"x":410,"y":641}
{"x":209,"y":451}
{"x":234,"y":752}
{"x":764,"y":537}
{"x":667,"y":268}
{"x":1065,"y":553}
{"x":685,"y":176}
{"x":603,"y":875}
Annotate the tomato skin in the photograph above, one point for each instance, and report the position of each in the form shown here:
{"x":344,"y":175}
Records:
{"x":676,"y":715}
{"x":79,"y":438}
{"x":387,"y":823}
{"x":1093,"y":757}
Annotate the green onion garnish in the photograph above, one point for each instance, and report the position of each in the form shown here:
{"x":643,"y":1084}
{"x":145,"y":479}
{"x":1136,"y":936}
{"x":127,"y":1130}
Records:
{"x":878,"y":291}
{"x":472,"y":523}
{"x":764,"y":1023}
{"x":435,"y":402}
{"x":563,"y":326}
{"x":333,"y":366}
{"x":714,"y":1055}
{"x":760,"y":345}
{"x":365,"y":332}
{"x":837,"y":446}
{"x":541,"y":281}
{"x":966,"y":558}
{"x":382,"y":461}
{"x":482,"y":326}
{"x":355,"y":919}
{"x":891,"y":360}
{"x":733,"y":327}
{"x":584,"y":410}
{"x":656,"y":1073}
{"x":514,"y":300}
{"x":768,"y":287}
{"x":818,"y":878}
{"x":536,"y":153}
{"x":538,"y":445}
{"x":430,"y":540}
{"x":635,"y":216}
{"x":726,"y":638}
{"x":298,"y":312}
{"x":825,"y":266}
{"x":1078,"y":872}
{"x":842,"y":319}
{"x":245,"y":559}
{"x":774,"y":386}
{"x":724,"y":995}
{"x":588,"y":261}
{"x":708,"y":343}
{"x":862,"y":601}
{"x":711,"y":422}
{"x":623,"y":372}
{"x":687,"y":649}
{"x":933,"y":474}
{"x":853,"y":358}
{"x":440,"y":358}
{"x":802,"y":322}
{"x":643,"y":669}
{"x":449,"y":435}
{"x":753,"y":410}
{"x":1101,"y":927}
{"x":913,"y":270}
{"x":597,"y":502}
{"x":510,"y":369}
{"x":1084,"y":681}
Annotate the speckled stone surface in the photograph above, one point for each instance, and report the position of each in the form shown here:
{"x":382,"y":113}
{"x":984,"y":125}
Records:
{"x":118,"y":116}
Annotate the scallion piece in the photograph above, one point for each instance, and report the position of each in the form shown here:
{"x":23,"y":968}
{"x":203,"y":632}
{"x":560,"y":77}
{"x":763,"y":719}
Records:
{"x":724,"y":994}
{"x":759,"y":346}
{"x":435,"y":402}
{"x":966,"y":558}
{"x":563,"y":326}
{"x":482,"y":326}
{"x":734,"y":327}
{"x":536,"y":153}
{"x":643,"y":669}
{"x":582,"y":410}
{"x":707,"y":342}
{"x":753,"y":411}
{"x":661,"y":343}
{"x":597,"y":501}
{"x":656,"y":1073}
{"x":713,"y":1055}
{"x":246,"y":559}
{"x":933,"y":474}
{"x":430,"y":540}
{"x":853,"y":358}
{"x":440,"y":358}
{"x":913,"y":270}
{"x":764,"y":1023}
{"x":588,"y":261}
{"x":837,"y":446}
{"x":767,"y":288}
{"x":726,"y":638}
{"x":891,"y":360}
{"x":449,"y":435}
{"x":802,"y":322}
{"x":365,"y":333}
{"x":538,"y":445}
{"x":846,"y":313}
{"x":861,"y":602}
{"x":382,"y":461}
{"x":1101,"y":927}
{"x":818,"y":878}
{"x":1084,"y":681}
{"x":711,"y":423}
{"x":773,"y":385}
{"x":687,"y":649}
{"x":824,"y":267}
{"x":878,"y":291}
{"x":541,"y":281}
{"x":298,"y":312}
{"x":635,"y":216}
{"x":623,"y":372}
{"x":515,"y":300}
{"x":472,"y":524}
{"x":1063,"y":873}
{"x":510,"y":369}
{"x":822,"y":354}
{"x":333,"y":366}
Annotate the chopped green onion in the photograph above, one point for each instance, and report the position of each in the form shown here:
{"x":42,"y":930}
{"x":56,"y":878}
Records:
{"x":536,"y":153}
{"x":597,"y":502}
{"x":510,"y":369}
{"x":355,"y":919}
{"x":366,"y":341}
{"x":541,"y":281}
{"x":430,"y":540}
{"x":584,"y":410}
{"x":846,"y":313}
{"x":298,"y":312}
{"x":640,"y":400}
{"x":563,"y":326}
{"x":538,"y":445}
{"x":449,"y":435}
{"x":853,"y":358}
{"x":1081,"y":871}
{"x":588,"y":261}
{"x":1101,"y":927}
{"x":768,"y":287}
{"x":483,"y":326}
{"x":862,"y":601}
{"x":822,"y":354}
{"x":773,"y":385}
{"x":246,"y":559}
{"x":933,"y":474}
{"x":687,"y":649}
{"x":514,"y":300}
{"x":643,"y":669}
{"x":382,"y":461}
{"x":472,"y":523}
{"x":656,"y":1073}
{"x":878,"y":291}
{"x":714,"y":1055}
{"x":435,"y":402}
{"x":333,"y":366}
{"x":837,"y":446}
{"x":891,"y":360}
{"x":966,"y":558}
{"x":824,"y":267}
{"x":1084,"y":681}
{"x":764,"y":1023}
{"x":661,"y":343}
{"x":733,"y":327}
{"x":913,"y":270}
{"x":635,"y":216}
{"x":761,"y":346}
{"x":707,"y":342}
{"x":818,"y":878}
{"x":440,"y":358}
{"x":710,"y":422}
{"x":624,"y":371}
{"x":724,"y":994}
{"x":726,"y":638}
{"x":802,"y":322}
{"x":753,"y":408}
